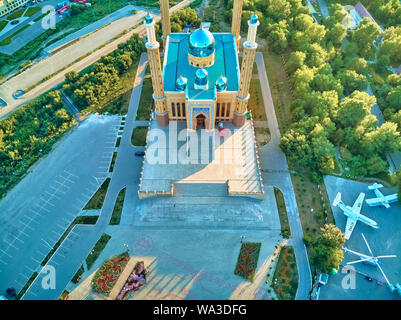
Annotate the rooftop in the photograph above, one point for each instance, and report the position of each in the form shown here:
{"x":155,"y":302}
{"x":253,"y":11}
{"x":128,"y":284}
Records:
{"x":176,"y":64}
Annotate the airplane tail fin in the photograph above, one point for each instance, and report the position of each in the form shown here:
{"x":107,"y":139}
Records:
{"x":337,"y":200}
{"x":375,"y":186}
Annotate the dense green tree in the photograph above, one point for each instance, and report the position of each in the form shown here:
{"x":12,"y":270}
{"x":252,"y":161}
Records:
{"x":352,"y":81}
{"x":336,"y":34}
{"x":295,"y":61}
{"x":353,"y":109}
{"x":394,"y":98}
{"x":391,"y":45}
{"x":326,"y":251}
{"x":365,"y":36}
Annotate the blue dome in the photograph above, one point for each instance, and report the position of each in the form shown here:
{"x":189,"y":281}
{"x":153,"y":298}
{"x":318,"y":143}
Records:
{"x":181,"y":83}
{"x":148,"y":18}
{"x":221,"y":83}
{"x":201,"y":77}
{"x":201,"y":43}
{"x":254,"y":19}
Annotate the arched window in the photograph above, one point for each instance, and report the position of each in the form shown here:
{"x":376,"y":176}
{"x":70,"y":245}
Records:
{"x":218,"y":110}
{"x":223,"y":107}
{"x":173,"y":109}
{"x":178,"y":109}
{"x":228,"y":109}
{"x":183,"y":109}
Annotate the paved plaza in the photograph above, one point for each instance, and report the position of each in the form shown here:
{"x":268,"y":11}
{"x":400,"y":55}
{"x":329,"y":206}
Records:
{"x":383,"y":241}
{"x":176,"y":157}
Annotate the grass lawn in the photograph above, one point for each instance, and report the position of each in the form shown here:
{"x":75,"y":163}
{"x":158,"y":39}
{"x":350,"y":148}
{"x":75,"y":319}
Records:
{"x":77,"y":220}
{"x":138,"y":137}
{"x":26,"y":286}
{"x":64,"y":294}
{"x":308,"y":197}
{"x":248,"y":260}
{"x":286,"y":274}
{"x":31,"y":11}
{"x":146,"y":101}
{"x":3,"y":24}
{"x":255,"y":104}
{"x":119,"y":105}
{"x":118,"y":208}
{"x":280,"y":88}
{"x":97,"y":249}
{"x":96,"y":202}
{"x":8,"y":40}
{"x":282,"y":212}
{"x":113,"y":161}
{"x":16,"y":14}
{"x":79,"y":272}
{"x":262,"y":136}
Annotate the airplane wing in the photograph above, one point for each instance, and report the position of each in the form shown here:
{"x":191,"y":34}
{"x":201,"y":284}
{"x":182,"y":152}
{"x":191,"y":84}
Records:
{"x":351,"y":223}
{"x":391,"y":198}
{"x":374,"y":202}
{"x":358,"y":203}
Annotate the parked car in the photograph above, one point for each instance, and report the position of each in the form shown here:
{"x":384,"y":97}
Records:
{"x":139,"y":153}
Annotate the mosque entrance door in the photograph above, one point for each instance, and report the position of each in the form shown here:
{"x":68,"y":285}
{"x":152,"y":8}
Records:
{"x":200,"y":121}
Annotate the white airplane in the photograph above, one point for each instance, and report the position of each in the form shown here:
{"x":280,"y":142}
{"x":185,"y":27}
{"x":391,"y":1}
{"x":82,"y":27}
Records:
{"x":381,"y":199}
{"x":353,"y":214}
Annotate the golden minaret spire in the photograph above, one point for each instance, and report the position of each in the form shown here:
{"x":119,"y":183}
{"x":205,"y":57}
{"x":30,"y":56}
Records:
{"x":165,"y":15}
{"x":152,"y":47}
{"x":236,"y":20}
{"x":248,"y":59}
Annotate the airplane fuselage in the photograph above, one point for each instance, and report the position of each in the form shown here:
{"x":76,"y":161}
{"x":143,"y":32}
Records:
{"x":349,"y":213}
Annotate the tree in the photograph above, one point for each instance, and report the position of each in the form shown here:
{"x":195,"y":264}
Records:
{"x":394,"y":98}
{"x":365,"y":35}
{"x":391,"y":44}
{"x":326,"y":251}
{"x":352,"y":81}
{"x":383,"y":140}
{"x":355,"y":108}
{"x":315,"y":55}
{"x":295,"y":61}
{"x":336,"y":34}
{"x":277,"y":36}
{"x":383,"y":62}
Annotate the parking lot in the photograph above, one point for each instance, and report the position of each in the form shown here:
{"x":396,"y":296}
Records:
{"x":35,"y":214}
{"x":383,"y":241}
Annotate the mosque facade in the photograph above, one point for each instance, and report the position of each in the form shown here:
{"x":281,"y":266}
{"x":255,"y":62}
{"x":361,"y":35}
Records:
{"x":201,"y":82}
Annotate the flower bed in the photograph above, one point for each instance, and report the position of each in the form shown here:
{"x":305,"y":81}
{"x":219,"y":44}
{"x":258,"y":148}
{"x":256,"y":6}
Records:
{"x":136,"y":280}
{"x":107,"y":275}
{"x":248,"y":260}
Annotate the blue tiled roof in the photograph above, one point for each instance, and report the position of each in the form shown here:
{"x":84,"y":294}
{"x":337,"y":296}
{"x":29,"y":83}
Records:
{"x":176,"y":64}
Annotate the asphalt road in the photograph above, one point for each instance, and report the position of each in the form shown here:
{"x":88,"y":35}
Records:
{"x":58,"y":61}
{"x":273,"y":158}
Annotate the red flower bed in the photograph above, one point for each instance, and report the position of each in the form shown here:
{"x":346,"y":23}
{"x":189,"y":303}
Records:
{"x":248,"y":260}
{"x":107,"y":275}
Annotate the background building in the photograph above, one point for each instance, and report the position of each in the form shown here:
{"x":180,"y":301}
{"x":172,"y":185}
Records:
{"x":7,"y":6}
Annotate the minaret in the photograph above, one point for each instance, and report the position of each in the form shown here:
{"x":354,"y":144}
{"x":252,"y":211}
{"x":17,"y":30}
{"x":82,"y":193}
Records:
{"x":248,"y":59}
{"x":155,"y":69}
{"x":165,"y":15}
{"x":236,"y":23}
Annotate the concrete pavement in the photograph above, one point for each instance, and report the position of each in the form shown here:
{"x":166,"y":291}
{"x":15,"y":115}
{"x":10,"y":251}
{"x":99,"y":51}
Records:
{"x":271,"y":157}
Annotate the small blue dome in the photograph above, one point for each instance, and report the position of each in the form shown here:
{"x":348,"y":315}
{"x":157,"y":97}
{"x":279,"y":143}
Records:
{"x":201,"y":77}
{"x":221,"y":83}
{"x":148,"y":18}
{"x":254,"y":19}
{"x":201,"y":43}
{"x":181,"y":83}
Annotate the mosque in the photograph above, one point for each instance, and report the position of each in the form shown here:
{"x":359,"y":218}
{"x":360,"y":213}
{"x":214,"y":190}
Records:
{"x":201,"y":86}
{"x":201,"y":83}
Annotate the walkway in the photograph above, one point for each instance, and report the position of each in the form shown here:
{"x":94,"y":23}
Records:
{"x":274,"y":159}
